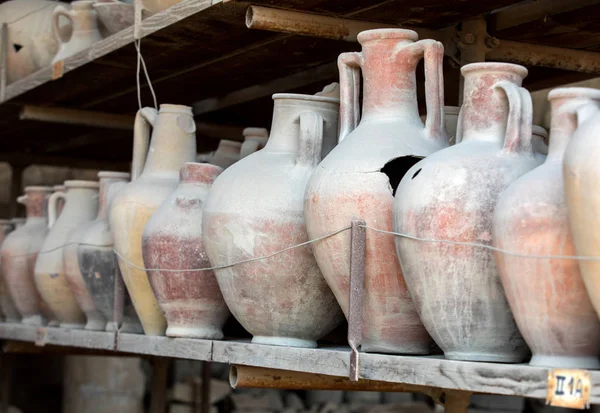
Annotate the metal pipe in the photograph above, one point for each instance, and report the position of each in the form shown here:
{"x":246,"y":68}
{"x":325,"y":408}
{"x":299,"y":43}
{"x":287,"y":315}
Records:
{"x":258,"y":377}
{"x":546,"y":56}
{"x":309,"y":24}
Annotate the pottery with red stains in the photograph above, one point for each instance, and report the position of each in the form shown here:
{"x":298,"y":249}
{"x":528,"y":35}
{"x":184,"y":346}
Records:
{"x":172,"y":240}
{"x":547,"y":296}
{"x":357,"y":179}
{"x":19,"y":253}
{"x":254,"y":209}
{"x":451,"y":196}
{"x":581,"y":173}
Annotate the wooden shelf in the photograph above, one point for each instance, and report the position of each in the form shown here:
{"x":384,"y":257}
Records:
{"x":431,"y":371}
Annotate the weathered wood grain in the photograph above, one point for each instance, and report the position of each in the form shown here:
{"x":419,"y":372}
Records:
{"x":183,"y":348}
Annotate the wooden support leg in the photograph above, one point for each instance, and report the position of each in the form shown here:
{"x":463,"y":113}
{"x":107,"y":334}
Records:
{"x":16,"y":188}
{"x":457,"y":402}
{"x":158,"y":401}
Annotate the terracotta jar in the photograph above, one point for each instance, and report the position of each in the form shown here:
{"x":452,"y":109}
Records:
{"x":7,"y":305}
{"x":254,"y":139}
{"x":98,"y":263}
{"x":84,"y":20}
{"x":19,"y":253}
{"x":32,"y":44}
{"x":450,"y":196}
{"x":581,"y":177}
{"x":154,"y":178}
{"x":55,"y":287}
{"x":358,"y":178}
{"x":547,"y":296}
{"x":172,"y":240}
{"x":155,"y":6}
{"x":227,"y":153}
{"x":254,"y":209}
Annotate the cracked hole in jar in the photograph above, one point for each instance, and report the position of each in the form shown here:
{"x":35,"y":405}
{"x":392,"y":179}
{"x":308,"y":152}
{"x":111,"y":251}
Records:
{"x":416,"y":173}
{"x":397,"y":168}
{"x":17,"y":47}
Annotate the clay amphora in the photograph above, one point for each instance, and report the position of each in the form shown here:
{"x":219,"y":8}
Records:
{"x":227,"y":153}
{"x":172,"y":240}
{"x":84,"y":20}
{"x":18,"y":222}
{"x":155,"y":6}
{"x":451,"y":196}
{"x":56,"y":288}
{"x":581,"y":178}
{"x":98,"y":263}
{"x":32,"y":44}
{"x":539,"y":142}
{"x":358,"y":178}
{"x":255,"y":208}
{"x":547,"y":296}
{"x":254,"y":139}
{"x":19,"y":253}
{"x":154,"y":178}
{"x":7,"y":305}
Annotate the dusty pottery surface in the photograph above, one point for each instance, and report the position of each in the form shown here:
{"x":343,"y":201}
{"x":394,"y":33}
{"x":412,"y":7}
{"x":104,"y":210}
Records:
{"x":18,"y":222}
{"x":451,"y":121}
{"x":57,"y":289}
{"x":19,"y":253}
{"x":582,"y":180}
{"x":254,"y":139}
{"x":32,"y":45}
{"x":84,"y":20}
{"x":451,"y":195}
{"x":7,"y":305}
{"x":255,"y":208}
{"x":227,"y":153}
{"x":547,"y":296}
{"x":154,"y":178}
{"x":539,"y":141}
{"x":114,"y":16}
{"x":155,"y":6}
{"x":98,"y":263}
{"x":172,"y":240}
{"x":356,"y":181}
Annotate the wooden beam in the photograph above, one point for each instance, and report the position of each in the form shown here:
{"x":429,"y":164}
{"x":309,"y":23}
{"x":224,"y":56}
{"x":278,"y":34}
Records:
{"x":518,"y":14}
{"x":76,"y":117}
{"x":25,"y":159}
{"x":317,"y":74}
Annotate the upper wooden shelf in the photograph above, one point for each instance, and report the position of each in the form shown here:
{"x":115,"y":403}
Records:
{"x":200,"y":52}
{"x":430,"y":371}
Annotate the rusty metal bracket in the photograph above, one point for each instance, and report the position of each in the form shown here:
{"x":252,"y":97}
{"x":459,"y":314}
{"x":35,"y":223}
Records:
{"x":119,"y":306}
{"x":355,"y":304}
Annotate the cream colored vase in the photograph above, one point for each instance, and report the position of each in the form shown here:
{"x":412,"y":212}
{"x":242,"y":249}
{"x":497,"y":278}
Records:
{"x":85,"y":28}
{"x":153,"y":179}
{"x":581,"y":172}
{"x":81,"y":206}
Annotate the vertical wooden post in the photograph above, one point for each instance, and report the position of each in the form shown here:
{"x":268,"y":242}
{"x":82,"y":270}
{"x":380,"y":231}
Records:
{"x":355,"y":305}
{"x":16,"y":188}
{"x":205,"y":393}
{"x":472,"y":45}
{"x":3,"y":60}
{"x":160,"y":368}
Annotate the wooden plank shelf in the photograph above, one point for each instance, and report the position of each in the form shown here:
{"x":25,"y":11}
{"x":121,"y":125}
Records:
{"x":428,"y":371}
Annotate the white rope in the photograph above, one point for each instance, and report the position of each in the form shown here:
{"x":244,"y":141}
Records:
{"x":264,"y":257}
{"x":140,"y":61}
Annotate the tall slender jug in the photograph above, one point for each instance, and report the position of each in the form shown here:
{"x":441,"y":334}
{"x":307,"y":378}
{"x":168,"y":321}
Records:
{"x":582,"y":188}
{"x":359,"y":177}
{"x":19,"y":253}
{"x":155,"y":174}
{"x":546,"y":295}
{"x":81,"y":206}
{"x":450,"y":196}
{"x":7,"y":305}
{"x":98,"y":263}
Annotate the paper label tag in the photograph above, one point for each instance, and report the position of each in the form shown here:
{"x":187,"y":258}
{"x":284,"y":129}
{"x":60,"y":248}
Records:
{"x":569,"y":388}
{"x":57,"y":70}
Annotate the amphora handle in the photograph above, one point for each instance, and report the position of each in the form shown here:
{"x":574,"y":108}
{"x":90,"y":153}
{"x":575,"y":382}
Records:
{"x":61,"y":11}
{"x":53,"y":207}
{"x":349,"y":65}
{"x":517,"y":138}
{"x":144,"y":120}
